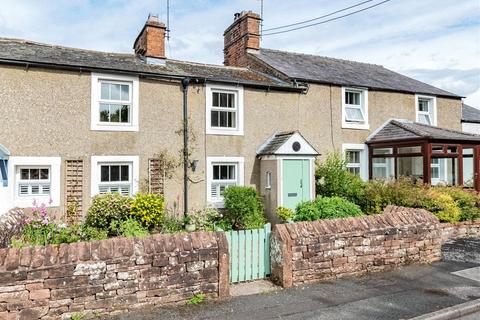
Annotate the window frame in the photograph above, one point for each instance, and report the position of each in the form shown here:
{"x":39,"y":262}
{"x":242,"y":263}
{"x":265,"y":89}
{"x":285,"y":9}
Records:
{"x":52,"y":199}
{"x":433,"y":104}
{"x":268,"y":180}
{"x":239,"y":109}
{"x":119,"y":183}
{"x":133,"y":83}
{"x":363,"y":157}
{"x":361,"y":125}
{"x":33,"y":182}
{"x":98,"y":161}
{"x":239,"y":163}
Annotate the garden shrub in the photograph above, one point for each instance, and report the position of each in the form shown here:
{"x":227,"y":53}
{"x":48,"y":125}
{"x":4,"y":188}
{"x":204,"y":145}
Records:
{"x":148,"y":209}
{"x":326,"y":208}
{"x":469,"y":203}
{"x":333,"y":179}
{"x":108,"y":211}
{"x":204,"y":219}
{"x":443,"y":206}
{"x":285,"y":214}
{"x":243,"y":208}
{"x":132,"y":228}
{"x":171,"y":224}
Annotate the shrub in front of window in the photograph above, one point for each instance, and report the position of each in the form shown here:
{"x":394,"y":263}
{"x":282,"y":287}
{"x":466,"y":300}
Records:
{"x":108,"y":211}
{"x":243,"y":208}
{"x":333,"y":179}
{"x":132,"y":228}
{"x":326,"y":208}
{"x":204,"y":219}
{"x":148,"y":209}
{"x":285,"y":214}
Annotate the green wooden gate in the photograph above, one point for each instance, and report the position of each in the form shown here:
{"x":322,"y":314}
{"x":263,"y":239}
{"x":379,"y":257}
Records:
{"x":249,"y":254}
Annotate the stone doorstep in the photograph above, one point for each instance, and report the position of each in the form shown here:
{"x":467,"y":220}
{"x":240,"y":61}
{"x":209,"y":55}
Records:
{"x":263,"y":286}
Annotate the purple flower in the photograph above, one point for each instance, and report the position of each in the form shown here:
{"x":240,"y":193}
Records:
{"x":50,"y":201}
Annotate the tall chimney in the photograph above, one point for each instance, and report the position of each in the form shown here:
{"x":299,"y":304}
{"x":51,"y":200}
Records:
{"x":150,"y":43}
{"x":241,"y":37}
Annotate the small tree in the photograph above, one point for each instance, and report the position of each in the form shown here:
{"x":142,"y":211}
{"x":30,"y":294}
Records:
{"x":243,"y":208}
{"x":333,"y":179}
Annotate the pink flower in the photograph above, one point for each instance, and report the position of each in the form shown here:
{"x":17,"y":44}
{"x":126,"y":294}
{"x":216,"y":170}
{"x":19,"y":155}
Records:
{"x":45,"y":221}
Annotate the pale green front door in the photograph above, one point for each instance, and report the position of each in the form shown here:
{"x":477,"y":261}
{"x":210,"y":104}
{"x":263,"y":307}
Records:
{"x":296,"y":182}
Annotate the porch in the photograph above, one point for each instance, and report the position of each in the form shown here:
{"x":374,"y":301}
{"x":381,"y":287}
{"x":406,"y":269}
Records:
{"x":424,"y":153}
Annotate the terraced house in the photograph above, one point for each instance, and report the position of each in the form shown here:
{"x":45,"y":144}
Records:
{"x":77,"y":123}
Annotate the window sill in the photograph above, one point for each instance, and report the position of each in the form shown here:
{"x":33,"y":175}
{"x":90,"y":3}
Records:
{"x":223,"y":132}
{"x":129,"y":128}
{"x":220,"y":204}
{"x":355,"y":126}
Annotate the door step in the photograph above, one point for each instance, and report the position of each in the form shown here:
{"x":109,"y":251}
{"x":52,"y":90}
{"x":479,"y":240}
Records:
{"x":253,"y":287}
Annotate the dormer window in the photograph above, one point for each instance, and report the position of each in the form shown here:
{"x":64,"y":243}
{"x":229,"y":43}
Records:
{"x":426,"y":110}
{"x":354,"y":108}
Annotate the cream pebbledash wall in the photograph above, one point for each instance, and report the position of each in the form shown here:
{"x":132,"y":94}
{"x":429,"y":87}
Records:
{"x":47,"y":113}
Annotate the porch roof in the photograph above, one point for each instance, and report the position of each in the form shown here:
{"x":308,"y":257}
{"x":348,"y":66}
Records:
{"x":397,"y":129}
{"x":274,"y":144}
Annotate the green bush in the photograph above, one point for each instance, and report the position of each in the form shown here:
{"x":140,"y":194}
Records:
{"x":171,"y":224}
{"x":132,"y":228}
{"x":285,"y":214}
{"x":108,"y":211}
{"x":326,"y":208}
{"x":449,"y":204}
{"x":243,"y":208}
{"x":468,"y":202}
{"x":204,"y":219}
{"x":148,"y":209}
{"x":333,"y":179}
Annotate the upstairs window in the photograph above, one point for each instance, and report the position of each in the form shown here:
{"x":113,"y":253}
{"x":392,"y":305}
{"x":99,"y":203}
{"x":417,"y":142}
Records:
{"x":354,"y":108}
{"x":114,"y":103}
{"x":224,"y":110}
{"x":33,"y":181}
{"x":426,"y":110}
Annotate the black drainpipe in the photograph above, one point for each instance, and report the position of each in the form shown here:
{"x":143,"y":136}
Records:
{"x":185,"y":83}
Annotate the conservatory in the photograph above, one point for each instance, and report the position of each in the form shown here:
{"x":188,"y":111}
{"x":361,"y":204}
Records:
{"x":425,"y":154}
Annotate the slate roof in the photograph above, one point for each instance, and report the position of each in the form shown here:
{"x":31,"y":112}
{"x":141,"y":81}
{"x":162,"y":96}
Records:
{"x":23,"y":51}
{"x":275,"y":142}
{"x":312,"y":68}
{"x":406,"y":130}
{"x":470,"y":114}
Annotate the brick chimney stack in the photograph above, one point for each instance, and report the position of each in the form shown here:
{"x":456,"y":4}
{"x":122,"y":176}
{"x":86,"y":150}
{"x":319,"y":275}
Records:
{"x":242,"y":36}
{"x":150,"y":43}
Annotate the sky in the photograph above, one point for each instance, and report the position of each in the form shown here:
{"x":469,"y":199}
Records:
{"x":435,"y":41}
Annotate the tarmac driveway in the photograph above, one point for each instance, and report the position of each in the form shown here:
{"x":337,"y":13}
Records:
{"x":401,"y":294}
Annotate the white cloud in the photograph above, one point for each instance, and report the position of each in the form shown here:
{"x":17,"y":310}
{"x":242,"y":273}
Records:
{"x":474,"y":99}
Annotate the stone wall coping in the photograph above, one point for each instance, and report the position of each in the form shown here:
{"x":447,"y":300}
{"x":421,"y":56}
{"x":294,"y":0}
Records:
{"x":39,"y":257}
{"x":393,"y":218}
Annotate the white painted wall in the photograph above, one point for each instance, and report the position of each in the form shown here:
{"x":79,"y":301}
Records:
{"x":471,"y":127}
